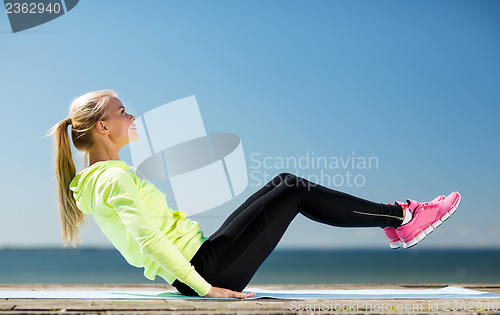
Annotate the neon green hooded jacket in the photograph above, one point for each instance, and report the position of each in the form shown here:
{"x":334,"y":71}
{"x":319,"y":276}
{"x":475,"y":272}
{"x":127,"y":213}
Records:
{"x":135,"y":217}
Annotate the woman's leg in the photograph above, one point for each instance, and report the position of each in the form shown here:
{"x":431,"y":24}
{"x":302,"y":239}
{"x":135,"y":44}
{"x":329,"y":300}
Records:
{"x":261,"y":192}
{"x":232,"y":255}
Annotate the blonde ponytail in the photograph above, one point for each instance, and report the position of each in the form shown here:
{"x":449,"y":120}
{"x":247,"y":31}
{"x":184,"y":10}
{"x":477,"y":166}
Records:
{"x":71,"y":217}
{"x":85,"y":111}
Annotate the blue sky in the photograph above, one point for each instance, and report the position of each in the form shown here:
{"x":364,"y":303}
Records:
{"x":414,"y":84}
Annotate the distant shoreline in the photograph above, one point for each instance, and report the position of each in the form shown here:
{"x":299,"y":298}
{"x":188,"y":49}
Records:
{"x":284,"y":266}
{"x":299,"y":249}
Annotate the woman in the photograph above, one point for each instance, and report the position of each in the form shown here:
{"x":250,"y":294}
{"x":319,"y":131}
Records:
{"x":134,"y":215}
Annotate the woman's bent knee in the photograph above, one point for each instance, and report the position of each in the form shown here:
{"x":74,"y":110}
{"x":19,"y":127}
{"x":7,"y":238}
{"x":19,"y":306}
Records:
{"x":284,"y":176}
{"x":298,"y":183}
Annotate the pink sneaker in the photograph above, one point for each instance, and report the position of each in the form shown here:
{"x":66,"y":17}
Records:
{"x":426,"y":217}
{"x":390,"y":232}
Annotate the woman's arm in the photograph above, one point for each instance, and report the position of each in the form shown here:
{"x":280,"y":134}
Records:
{"x":119,"y":191}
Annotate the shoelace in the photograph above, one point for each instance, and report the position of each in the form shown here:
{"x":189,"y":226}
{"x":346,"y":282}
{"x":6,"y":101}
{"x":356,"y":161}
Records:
{"x":425,"y":206}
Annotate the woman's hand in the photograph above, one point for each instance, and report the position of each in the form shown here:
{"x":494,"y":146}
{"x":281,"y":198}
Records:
{"x":216,"y":292}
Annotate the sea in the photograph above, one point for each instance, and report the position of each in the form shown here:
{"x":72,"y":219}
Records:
{"x":283,"y":266}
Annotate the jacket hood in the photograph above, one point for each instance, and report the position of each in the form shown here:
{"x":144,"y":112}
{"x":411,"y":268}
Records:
{"x":84,"y":182}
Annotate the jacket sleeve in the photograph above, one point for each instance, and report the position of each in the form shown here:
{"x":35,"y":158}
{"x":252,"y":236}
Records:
{"x":120,"y":192}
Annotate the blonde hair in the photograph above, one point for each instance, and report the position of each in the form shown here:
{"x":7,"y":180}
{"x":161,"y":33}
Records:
{"x":84,"y":112}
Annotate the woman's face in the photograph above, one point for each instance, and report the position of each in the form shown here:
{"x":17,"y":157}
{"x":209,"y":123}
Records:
{"x":119,"y":124}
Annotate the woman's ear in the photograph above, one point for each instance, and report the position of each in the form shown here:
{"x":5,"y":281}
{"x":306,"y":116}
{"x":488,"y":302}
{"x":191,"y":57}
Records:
{"x":101,"y":128}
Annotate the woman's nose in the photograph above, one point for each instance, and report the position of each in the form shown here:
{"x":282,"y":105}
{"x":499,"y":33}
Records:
{"x":132,"y":117}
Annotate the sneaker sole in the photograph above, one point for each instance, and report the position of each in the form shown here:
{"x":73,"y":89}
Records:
{"x":396,"y":244}
{"x":419,"y":237}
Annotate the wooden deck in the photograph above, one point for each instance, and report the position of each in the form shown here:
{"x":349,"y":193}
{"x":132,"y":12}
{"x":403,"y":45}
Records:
{"x":257,"y":306}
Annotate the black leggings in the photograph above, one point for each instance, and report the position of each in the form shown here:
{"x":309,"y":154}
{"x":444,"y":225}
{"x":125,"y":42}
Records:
{"x":232,"y":255}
